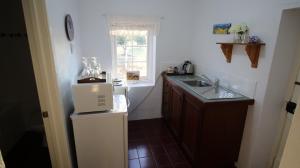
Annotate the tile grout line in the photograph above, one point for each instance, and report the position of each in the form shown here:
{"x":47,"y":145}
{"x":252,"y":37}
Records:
{"x":146,"y":139}
{"x":152,"y":153}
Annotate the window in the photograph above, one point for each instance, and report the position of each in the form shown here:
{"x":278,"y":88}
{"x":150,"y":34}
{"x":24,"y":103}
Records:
{"x":133,"y":49}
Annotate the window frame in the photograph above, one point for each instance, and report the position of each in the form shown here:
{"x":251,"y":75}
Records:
{"x":151,"y":57}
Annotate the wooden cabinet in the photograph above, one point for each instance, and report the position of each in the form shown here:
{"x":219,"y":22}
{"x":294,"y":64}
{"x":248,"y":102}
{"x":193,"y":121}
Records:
{"x":176,"y":110}
{"x":166,"y":100}
{"x":191,"y":123}
{"x":172,"y":106}
{"x":209,"y":132}
{"x":220,"y":134}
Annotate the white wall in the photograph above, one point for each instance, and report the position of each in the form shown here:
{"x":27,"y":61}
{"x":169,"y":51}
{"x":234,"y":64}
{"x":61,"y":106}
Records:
{"x":263,"y":18}
{"x":173,"y":42}
{"x":67,"y":63}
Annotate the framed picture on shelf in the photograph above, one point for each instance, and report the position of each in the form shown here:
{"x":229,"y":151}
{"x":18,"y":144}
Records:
{"x":222,"y":28}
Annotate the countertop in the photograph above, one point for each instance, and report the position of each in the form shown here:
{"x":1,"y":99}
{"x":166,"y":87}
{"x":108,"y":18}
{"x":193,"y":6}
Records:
{"x":203,"y":92}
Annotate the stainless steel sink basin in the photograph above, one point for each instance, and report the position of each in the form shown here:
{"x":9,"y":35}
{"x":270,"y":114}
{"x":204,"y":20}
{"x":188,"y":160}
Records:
{"x":197,"y":83}
{"x":208,"y":91}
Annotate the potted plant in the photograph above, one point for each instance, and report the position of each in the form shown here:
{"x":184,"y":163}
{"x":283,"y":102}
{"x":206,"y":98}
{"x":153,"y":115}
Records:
{"x":240,"y":32}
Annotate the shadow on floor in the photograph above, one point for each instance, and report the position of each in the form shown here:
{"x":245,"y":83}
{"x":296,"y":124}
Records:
{"x":30,"y":151}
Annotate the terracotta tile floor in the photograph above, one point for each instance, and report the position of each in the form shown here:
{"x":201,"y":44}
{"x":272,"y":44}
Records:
{"x":151,"y":145}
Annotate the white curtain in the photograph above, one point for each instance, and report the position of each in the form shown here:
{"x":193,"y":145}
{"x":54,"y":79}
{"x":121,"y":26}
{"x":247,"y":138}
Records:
{"x":120,"y":25}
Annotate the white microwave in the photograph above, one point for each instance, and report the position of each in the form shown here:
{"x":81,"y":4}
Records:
{"x":91,"y":97}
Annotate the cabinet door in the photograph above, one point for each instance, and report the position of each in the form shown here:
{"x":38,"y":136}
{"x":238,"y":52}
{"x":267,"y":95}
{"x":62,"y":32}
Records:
{"x":166,"y":100}
{"x":176,"y":110}
{"x":191,"y":125}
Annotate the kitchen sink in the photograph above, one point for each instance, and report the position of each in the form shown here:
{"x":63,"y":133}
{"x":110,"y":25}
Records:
{"x":196,"y":83}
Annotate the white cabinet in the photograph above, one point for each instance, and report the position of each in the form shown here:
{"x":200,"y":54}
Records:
{"x":101,"y":139}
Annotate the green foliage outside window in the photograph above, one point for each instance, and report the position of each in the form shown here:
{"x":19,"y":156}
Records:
{"x":123,"y":40}
{"x":140,"y":40}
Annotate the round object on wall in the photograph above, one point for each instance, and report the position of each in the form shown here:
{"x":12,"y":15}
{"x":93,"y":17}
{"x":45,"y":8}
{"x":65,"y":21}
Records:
{"x":69,"y":27}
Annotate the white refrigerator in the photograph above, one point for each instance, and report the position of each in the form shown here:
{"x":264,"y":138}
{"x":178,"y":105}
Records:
{"x":101,"y":138}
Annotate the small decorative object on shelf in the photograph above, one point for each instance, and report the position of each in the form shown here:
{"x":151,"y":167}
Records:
{"x":240,"y":32}
{"x":254,"y":39}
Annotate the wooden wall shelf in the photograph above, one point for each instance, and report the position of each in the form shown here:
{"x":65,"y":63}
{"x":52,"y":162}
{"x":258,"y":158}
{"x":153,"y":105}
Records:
{"x":252,"y":50}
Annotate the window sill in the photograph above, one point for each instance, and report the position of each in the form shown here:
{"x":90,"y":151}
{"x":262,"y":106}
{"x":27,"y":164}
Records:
{"x":140,"y":84}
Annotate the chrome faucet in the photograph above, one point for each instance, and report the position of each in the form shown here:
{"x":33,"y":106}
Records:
{"x":214,"y":83}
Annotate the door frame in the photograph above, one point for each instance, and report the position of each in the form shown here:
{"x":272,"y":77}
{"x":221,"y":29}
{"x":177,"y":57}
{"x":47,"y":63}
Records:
{"x":36,"y":20}
{"x":280,"y":142}
{"x":276,"y":156}
{"x":292,"y":146}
